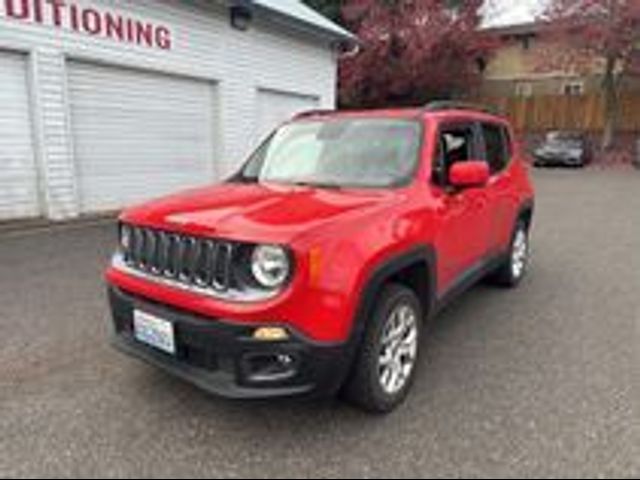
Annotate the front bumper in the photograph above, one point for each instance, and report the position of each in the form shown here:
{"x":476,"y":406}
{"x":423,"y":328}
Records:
{"x":224,"y":359}
{"x":551,"y":160}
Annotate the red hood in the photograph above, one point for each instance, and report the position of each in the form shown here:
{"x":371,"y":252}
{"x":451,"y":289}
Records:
{"x":254,"y":212}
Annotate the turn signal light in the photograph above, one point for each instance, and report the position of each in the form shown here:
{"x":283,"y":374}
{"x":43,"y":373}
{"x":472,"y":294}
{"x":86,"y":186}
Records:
{"x":315,"y":264}
{"x":270,"y":334}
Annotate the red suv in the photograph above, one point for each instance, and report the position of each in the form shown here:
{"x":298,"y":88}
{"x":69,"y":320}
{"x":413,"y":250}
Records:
{"x":313,"y":269}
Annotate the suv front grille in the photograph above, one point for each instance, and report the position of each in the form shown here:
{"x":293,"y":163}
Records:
{"x":188,"y":260}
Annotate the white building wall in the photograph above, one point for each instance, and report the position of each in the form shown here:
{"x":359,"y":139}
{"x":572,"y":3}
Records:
{"x":203,"y":46}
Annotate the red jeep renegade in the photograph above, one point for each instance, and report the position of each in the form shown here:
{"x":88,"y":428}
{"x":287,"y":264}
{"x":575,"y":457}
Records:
{"x":313,"y":269}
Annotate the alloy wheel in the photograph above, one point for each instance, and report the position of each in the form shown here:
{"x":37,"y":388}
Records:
{"x":398,"y":349}
{"x":519,"y":253}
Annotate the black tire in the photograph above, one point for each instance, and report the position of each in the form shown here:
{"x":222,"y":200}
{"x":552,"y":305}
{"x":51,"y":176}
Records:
{"x":364,"y":386}
{"x":507,"y":275}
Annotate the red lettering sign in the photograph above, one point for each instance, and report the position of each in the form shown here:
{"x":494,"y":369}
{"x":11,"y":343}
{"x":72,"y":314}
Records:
{"x":91,"y":21}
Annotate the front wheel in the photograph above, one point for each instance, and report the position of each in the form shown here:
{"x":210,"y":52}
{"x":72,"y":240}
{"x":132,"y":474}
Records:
{"x":385,"y":368}
{"x":513,"y":270}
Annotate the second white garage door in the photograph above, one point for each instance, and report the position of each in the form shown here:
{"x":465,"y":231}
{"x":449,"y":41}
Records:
{"x":138,"y":135}
{"x":276,"y":107}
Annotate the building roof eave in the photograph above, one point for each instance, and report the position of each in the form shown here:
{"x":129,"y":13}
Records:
{"x":299,"y":16}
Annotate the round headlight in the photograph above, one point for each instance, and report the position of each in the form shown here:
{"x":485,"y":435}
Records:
{"x":270,"y":266}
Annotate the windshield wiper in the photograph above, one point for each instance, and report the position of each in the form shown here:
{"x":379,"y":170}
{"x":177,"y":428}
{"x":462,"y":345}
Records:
{"x":328,"y":186}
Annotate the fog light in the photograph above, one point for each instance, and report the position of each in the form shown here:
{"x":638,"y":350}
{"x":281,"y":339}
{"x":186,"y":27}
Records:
{"x":270,"y":367}
{"x":271,"y":334}
{"x":285,"y":360}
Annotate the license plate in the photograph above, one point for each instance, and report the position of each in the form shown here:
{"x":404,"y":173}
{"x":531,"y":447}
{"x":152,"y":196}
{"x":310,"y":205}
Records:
{"x":154,"y":331}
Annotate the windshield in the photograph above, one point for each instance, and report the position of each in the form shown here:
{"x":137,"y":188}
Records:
{"x":355,"y":153}
{"x":569,"y":139}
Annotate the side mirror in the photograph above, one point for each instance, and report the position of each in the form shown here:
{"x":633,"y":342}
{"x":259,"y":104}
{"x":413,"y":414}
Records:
{"x":474,"y":173}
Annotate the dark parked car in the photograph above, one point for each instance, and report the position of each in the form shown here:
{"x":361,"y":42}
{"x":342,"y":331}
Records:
{"x":568,"y":149}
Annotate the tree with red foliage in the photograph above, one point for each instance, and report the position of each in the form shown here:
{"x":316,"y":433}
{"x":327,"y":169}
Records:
{"x":596,"y":32}
{"x":411,"y":51}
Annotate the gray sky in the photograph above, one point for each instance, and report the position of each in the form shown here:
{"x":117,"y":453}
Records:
{"x":509,"y":12}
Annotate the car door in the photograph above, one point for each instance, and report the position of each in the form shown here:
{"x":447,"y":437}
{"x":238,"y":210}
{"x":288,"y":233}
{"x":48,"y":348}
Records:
{"x":463,"y":234}
{"x":497,"y":151}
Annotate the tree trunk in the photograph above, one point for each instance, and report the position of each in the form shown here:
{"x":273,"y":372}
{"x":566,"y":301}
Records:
{"x":610,"y":90}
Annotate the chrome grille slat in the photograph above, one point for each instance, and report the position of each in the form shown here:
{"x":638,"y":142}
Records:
{"x":163,"y":253}
{"x":179,"y":256}
{"x":143,"y":249}
{"x":203,"y":272}
{"x":174,"y":256}
{"x":138,"y":246}
{"x":129,"y":255}
{"x":188,"y":251}
{"x":222,"y":267}
{"x":191,"y":261}
{"x":151,"y":250}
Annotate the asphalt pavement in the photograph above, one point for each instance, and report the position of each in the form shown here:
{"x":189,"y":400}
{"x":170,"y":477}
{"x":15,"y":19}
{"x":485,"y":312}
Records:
{"x":540,"y":381}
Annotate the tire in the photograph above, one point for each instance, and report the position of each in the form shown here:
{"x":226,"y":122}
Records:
{"x":514,"y":269}
{"x":371,"y":384}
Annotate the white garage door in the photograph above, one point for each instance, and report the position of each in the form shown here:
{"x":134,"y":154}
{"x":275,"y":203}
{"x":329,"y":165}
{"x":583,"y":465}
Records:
{"x":18,"y":174}
{"x":138,"y":135}
{"x":277,"y":107}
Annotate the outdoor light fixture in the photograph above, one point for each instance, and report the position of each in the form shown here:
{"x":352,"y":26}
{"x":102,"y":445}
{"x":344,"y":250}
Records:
{"x":241,"y":14}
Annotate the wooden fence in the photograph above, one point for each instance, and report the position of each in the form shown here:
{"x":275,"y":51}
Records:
{"x":565,"y":112}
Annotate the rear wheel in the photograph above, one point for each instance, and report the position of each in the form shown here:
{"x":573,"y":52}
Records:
{"x":511,"y":273}
{"x":385,"y":368}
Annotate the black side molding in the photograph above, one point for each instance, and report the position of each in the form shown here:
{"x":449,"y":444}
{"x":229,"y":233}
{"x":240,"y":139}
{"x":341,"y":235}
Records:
{"x":527,"y":207}
{"x":424,"y":254}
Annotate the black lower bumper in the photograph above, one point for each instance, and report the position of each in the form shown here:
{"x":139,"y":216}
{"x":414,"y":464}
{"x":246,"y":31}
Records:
{"x":224,"y":359}
{"x":543,"y":161}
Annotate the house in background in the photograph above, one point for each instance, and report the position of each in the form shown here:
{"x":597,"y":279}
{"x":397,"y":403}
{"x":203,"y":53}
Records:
{"x":517,"y":67}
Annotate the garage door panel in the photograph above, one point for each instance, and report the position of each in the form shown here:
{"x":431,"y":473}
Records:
{"x":276,"y":107}
{"x":157,"y":103}
{"x":170,"y":90}
{"x":125,"y":113}
{"x":138,"y":135}
{"x":18,"y":173}
{"x":108,"y":190}
{"x":101,"y":170}
{"x":101,"y":157}
{"x":177,"y":129}
{"x":167,"y":180}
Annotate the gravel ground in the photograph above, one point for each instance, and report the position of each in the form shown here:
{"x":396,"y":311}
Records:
{"x":541,"y":381}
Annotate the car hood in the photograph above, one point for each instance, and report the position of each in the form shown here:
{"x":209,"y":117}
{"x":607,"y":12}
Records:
{"x":258,"y":212}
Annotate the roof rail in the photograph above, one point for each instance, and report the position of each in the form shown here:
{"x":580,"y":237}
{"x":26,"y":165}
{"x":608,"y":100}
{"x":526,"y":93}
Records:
{"x":313,"y":113}
{"x":443,"y":105}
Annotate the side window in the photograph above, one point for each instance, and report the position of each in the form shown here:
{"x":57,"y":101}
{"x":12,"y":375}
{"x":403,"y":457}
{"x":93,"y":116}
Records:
{"x":495,"y":147}
{"x":508,"y":145}
{"x":455,"y":144}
